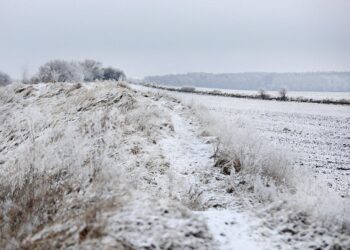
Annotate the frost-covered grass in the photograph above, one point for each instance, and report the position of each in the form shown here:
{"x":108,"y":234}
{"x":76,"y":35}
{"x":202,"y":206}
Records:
{"x":294,"y":202}
{"x":257,"y":165}
{"x":80,"y":167}
{"x":264,"y":169}
{"x":51,"y":155}
{"x":99,"y":165}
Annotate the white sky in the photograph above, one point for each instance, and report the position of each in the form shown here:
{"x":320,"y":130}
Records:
{"x":147,"y":37}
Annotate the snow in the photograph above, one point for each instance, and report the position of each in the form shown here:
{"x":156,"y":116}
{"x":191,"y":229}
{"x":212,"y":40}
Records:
{"x":190,"y":166}
{"x":98,"y":144}
{"x":317,"y":136}
{"x":137,"y":171}
{"x":305,"y":94}
{"x":295,"y":94}
{"x":274,"y":122}
{"x":233,"y":230}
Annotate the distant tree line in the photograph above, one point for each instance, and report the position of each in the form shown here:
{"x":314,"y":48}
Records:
{"x":69,"y":71}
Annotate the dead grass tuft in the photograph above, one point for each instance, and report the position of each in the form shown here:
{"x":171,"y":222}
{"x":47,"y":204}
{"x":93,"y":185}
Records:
{"x":193,"y":198}
{"x":27,"y":207}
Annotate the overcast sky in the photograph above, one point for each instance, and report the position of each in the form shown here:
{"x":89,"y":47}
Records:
{"x":148,"y":37}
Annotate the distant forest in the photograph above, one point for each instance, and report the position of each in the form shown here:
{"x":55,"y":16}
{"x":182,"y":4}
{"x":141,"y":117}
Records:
{"x":318,"y":81}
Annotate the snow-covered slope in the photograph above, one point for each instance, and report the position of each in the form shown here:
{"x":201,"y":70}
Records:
{"x":102,"y":166}
{"x":82,"y":168}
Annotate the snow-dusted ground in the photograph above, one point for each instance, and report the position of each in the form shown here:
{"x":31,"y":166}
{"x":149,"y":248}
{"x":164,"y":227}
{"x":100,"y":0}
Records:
{"x":82,"y":167}
{"x":310,"y":134}
{"x":305,"y":94}
{"x":318,"y":135}
{"x":101,"y":166}
{"x":193,"y":175}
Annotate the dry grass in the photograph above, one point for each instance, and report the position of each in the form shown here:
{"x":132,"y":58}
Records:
{"x":269,"y":173}
{"x":73,"y":156}
{"x":193,"y":198}
{"x":54,"y":160}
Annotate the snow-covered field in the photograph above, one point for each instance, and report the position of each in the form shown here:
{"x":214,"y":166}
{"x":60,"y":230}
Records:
{"x":317,"y":134}
{"x":336,"y":96}
{"x":106,"y":166}
{"x":305,"y":94}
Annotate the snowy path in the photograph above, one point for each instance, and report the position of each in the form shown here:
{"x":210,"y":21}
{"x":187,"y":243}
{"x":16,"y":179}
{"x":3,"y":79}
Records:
{"x":236,"y":219}
{"x":192,"y":169}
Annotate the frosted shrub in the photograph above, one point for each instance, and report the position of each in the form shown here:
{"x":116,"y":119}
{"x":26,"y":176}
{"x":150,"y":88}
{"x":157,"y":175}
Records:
{"x":113,"y":74}
{"x":187,"y":89}
{"x":4,"y":79}
{"x":92,"y":70}
{"x":283,"y":94}
{"x":59,"y":71}
{"x":262,"y":94}
{"x":65,"y":71}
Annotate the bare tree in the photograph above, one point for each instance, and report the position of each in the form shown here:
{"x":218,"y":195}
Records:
{"x":263,"y":95}
{"x":59,"y":71}
{"x":5,"y":79}
{"x":92,"y":70}
{"x":64,"y":71}
{"x":283,"y":94}
{"x":113,"y":74}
